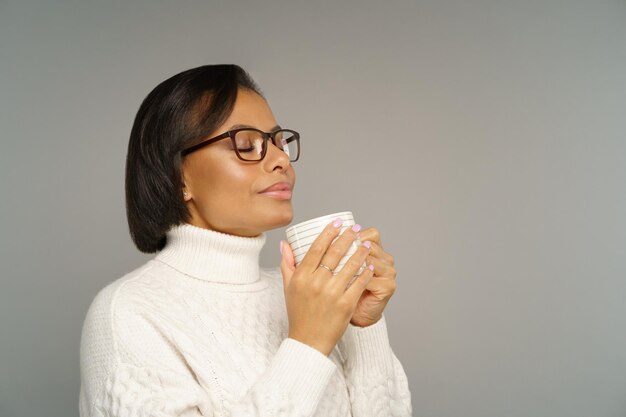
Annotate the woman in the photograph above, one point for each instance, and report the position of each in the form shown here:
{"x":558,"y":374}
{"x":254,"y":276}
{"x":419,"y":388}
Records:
{"x":201,"y":329}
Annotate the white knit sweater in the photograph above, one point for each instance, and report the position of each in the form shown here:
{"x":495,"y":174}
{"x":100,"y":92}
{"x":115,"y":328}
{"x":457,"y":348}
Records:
{"x":201,"y":330}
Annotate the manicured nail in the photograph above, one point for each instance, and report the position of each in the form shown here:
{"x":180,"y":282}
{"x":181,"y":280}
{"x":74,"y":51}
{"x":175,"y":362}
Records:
{"x":367,"y":244}
{"x":338,"y":222}
{"x":356,"y":227}
{"x":371,"y":267}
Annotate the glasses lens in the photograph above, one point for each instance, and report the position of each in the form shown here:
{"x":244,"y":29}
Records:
{"x":249,"y":144}
{"x":288,"y":142}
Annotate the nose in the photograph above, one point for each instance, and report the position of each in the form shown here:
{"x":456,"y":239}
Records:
{"x":276,"y":156}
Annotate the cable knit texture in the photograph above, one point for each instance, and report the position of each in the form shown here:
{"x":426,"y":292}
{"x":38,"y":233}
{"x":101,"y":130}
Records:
{"x":201,"y":330}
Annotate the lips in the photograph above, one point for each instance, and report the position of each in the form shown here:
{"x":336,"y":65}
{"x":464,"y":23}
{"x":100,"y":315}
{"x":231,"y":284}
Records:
{"x":279,"y":186}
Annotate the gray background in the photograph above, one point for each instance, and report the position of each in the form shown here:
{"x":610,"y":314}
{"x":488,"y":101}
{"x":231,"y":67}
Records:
{"x":484,"y":139}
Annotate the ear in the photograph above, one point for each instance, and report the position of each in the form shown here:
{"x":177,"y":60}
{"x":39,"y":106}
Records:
{"x":186,"y":192}
{"x":183,"y":185}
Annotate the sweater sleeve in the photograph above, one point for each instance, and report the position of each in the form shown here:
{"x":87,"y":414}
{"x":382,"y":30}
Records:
{"x":376,"y":380}
{"x":127,"y":369}
{"x":292,"y":385}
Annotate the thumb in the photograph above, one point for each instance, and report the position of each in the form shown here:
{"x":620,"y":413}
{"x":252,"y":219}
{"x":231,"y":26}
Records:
{"x":287,"y":265}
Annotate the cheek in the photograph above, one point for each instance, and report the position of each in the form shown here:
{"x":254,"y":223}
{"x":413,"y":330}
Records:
{"x":231,"y":180}
{"x":239,"y":179}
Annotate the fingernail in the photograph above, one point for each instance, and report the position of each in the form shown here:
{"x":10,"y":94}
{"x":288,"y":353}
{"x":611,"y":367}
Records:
{"x":281,"y":248}
{"x":356,"y":227}
{"x":338,"y":222}
{"x":371,"y":267}
{"x":367,"y":244}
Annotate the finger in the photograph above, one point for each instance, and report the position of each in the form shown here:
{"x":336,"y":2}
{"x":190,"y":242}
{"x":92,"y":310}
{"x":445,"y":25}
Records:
{"x":340,"y":246}
{"x":286,"y":269}
{"x":319,"y":246}
{"x":291,"y":261}
{"x":381,"y":269}
{"x":372,"y":234}
{"x":354,"y":291}
{"x":381,"y":289}
{"x":378,"y":253}
{"x":352,"y":266}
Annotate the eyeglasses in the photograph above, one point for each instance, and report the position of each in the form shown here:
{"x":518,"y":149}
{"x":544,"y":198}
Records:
{"x":250,"y":144}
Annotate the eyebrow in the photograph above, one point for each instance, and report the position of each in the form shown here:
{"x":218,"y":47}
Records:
{"x":241,"y":126}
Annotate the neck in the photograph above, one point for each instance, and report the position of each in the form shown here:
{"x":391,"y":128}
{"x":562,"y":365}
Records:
{"x":211,"y":255}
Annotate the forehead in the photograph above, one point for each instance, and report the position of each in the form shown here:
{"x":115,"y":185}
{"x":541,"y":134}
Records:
{"x":249,"y":107}
{"x":251,"y":110}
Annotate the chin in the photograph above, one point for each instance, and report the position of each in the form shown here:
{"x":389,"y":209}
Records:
{"x":288,"y":215}
{"x":277,"y":214}
{"x":281,"y":217}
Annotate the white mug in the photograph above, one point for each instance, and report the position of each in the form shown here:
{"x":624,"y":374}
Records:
{"x":300,"y":237}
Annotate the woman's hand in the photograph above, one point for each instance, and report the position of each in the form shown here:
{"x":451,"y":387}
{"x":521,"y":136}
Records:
{"x":320,"y":304}
{"x":374,"y":299}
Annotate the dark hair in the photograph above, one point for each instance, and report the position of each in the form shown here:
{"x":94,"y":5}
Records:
{"x":176,"y":114}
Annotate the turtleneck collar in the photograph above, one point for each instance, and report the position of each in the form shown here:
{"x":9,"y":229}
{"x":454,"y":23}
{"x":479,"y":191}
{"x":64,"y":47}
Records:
{"x":211,"y":255}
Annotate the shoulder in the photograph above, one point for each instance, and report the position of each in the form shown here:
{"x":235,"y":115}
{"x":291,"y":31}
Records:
{"x":148,"y":284}
{"x":123,"y":307}
{"x":106,"y":298}
{"x":96,"y":336}
{"x":98,"y":352}
{"x":122,"y":349}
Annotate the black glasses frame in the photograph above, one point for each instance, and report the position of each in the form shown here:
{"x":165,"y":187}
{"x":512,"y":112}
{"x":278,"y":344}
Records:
{"x":231,"y":134}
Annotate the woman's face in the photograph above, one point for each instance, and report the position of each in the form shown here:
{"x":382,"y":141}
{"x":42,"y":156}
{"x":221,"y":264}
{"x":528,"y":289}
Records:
{"x":223,"y":192}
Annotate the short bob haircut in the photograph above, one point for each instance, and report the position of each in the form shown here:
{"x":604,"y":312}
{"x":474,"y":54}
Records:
{"x":177,"y":113}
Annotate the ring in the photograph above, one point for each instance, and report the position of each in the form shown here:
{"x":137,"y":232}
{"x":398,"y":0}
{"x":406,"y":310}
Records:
{"x":324,"y":266}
